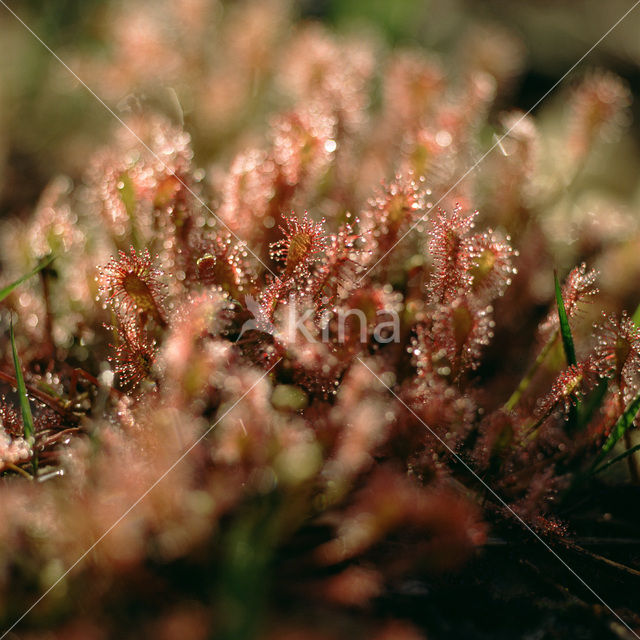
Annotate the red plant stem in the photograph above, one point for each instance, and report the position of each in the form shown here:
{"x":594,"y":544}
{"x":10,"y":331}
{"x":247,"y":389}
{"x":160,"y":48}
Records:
{"x":58,"y":435}
{"x":19,"y":470}
{"x":41,"y":396}
{"x":81,"y":373}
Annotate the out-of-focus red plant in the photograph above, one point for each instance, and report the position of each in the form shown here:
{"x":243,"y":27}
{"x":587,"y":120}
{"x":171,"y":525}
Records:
{"x":282,"y":361}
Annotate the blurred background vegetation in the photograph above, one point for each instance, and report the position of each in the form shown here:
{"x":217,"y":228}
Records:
{"x":176,"y":56}
{"x":49,"y":124}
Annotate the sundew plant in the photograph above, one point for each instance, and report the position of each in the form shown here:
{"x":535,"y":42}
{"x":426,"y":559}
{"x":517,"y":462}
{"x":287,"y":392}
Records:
{"x":330,"y":336}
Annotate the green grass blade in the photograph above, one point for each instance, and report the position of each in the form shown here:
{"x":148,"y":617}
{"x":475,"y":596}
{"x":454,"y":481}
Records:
{"x":622,"y":425}
{"x":569,"y":348}
{"x":636,"y":316}
{"x":25,"y":407}
{"x":565,"y":329}
{"x":622,"y":456}
{"x":9,"y":288}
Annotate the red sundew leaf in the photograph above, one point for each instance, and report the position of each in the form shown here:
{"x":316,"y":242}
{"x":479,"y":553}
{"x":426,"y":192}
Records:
{"x":617,"y":350}
{"x":131,"y":284}
{"x":303,"y":242}
{"x":565,"y":392}
{"x":134,"y":358}
{"x":491,"y":263}
{"x":451,"y":263}
{"x":597,"y":109}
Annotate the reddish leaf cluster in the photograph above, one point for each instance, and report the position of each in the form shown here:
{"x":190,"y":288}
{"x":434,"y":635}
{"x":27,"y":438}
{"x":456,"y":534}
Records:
{"x":312,"y":371}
